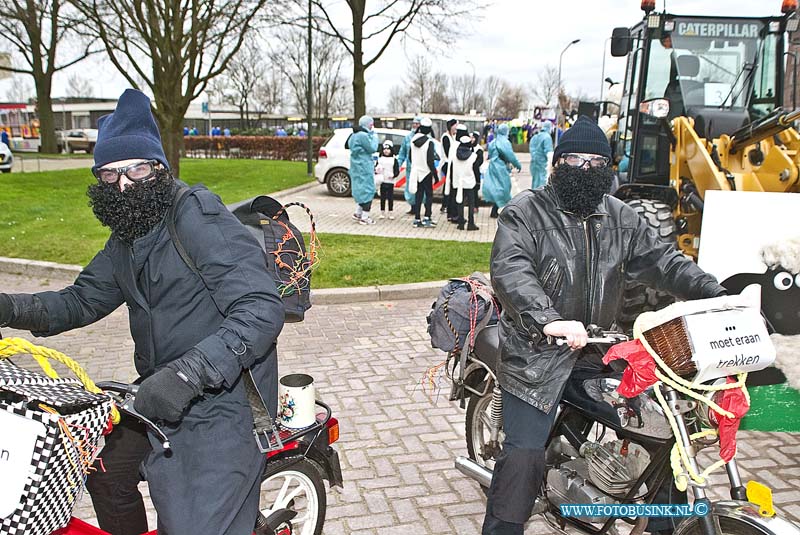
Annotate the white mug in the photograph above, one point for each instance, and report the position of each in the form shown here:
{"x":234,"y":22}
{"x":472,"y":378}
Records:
{"x":296,"y":401}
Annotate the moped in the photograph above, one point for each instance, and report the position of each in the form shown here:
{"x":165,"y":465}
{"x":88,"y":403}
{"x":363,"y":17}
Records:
{"x":591,"y":449}
{"x":293,"y":496}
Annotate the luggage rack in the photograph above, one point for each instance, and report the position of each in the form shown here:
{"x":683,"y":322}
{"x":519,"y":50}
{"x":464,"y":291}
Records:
{"x":283,"y":435}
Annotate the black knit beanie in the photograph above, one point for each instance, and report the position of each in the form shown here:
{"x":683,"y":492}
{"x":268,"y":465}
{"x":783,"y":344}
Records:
{"x":583,"y":137}
{"x":130,"y":132}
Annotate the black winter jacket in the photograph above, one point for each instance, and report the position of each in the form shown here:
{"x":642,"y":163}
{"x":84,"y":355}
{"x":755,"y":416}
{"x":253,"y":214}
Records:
{"x":233,"y":316}
{"x":548,"y":264}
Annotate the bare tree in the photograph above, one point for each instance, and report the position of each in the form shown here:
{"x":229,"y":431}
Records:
{"x":243,"y":76}
{"x":326,"y":70}
{"x":34,"y":29}
{"x":79,"y":87}
{"x":439,"y":101}
{"x":492,"y":86}
{"x":546,"y":89}
{"x":269,"y":95}
{"x":19,"y":91}
{"x":463,"y":91}
{"x":510,"y":101}
{"x":175,"y":46}
{"x":399,"y":100}
{"x":376,"y":29}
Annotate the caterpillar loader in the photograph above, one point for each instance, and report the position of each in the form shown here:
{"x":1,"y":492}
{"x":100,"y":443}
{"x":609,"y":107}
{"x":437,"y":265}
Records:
{"x":702,"y":109}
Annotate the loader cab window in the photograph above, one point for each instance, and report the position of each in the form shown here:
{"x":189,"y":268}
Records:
{"x":765,"y":90}
{"x":705,"y":63}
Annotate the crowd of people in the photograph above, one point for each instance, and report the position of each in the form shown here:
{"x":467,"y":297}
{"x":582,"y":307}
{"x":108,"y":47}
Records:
{"x":454,"y":162}
{"x":226,"y":132}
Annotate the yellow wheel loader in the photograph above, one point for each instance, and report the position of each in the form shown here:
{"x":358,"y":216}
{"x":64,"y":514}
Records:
{"x":702,"y":109}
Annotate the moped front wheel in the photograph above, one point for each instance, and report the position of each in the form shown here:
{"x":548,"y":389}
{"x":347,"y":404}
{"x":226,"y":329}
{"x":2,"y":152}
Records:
{"x":728,"y":526}
{"x":295,"y":483}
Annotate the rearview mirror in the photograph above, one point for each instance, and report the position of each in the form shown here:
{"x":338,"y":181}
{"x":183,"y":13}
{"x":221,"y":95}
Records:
{"x":657,"y":107}
{"x":621,"y":43}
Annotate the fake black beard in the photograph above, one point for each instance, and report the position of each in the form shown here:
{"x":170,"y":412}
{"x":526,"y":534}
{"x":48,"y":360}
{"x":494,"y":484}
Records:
{"x":581,"y":190}
{"x":135,"y":211}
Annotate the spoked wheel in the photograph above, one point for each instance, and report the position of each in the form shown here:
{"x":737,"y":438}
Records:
{"x":728,"y":526}
{"x":478,"y":431}
{"x":295,"y":483}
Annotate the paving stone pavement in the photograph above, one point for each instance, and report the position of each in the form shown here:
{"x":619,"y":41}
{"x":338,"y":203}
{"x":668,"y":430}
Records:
{"x":334,"y":214}
{"x":397,"y":444}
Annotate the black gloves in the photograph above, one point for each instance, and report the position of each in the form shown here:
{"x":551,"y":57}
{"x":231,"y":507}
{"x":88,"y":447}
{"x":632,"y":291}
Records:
{"x":166,"y":394}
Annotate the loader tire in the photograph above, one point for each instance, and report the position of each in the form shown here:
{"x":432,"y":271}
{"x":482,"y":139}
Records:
{"x":637,"y":297}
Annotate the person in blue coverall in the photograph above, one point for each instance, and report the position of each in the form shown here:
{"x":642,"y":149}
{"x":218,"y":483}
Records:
{"x":363,"y":144}
{"x":541,"y":145}
{"x":403,"y":159}
{"x":497,"y":182}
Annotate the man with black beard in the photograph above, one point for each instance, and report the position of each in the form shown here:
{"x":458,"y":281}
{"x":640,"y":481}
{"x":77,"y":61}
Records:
{"x":194,"y":336}
{"x":559,"y":262}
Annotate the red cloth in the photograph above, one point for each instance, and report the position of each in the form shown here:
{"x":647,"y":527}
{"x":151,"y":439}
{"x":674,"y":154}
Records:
{"x":641,"y":370}
{"x":735,"y":402}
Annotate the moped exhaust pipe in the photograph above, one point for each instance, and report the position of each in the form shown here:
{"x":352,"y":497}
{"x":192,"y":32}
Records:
{"x":471,"y":469}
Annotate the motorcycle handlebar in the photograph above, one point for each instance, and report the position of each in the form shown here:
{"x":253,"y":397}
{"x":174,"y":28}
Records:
{"x":124,"y":394}
{"x":596,"y":336}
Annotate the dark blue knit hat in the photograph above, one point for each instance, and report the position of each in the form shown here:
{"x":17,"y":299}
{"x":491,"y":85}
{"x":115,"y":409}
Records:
{"x":583,"y":137}
{"x":130,"y":132}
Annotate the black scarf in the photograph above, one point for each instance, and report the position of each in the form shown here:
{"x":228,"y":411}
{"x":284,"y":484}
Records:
{"x":581,"y":190}
{"x":135,"y":211}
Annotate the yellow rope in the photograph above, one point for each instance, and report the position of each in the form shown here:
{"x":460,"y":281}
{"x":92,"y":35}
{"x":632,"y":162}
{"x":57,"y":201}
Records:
{"x":679,"y":459}
{"x":14,"y":346}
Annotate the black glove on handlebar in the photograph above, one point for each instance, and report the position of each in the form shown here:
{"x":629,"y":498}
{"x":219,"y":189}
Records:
{"x":164,"y":396}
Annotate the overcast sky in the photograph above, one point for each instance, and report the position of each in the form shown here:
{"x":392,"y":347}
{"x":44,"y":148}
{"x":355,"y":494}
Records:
{"x":514,"y":39}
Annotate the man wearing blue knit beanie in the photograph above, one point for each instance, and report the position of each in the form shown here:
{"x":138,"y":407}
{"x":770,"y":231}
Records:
{"x":194,"y":334}
{"x":560,"y":258}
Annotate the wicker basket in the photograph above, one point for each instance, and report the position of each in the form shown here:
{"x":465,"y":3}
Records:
{"x":671,"y":342}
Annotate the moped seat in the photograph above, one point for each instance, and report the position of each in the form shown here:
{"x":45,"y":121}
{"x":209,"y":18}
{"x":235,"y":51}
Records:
{"x":487,"y":345}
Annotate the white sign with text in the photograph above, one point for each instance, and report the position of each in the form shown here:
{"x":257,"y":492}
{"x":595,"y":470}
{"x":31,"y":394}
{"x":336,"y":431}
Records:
{"x":728,"y":342}
{"x":17,"y":441}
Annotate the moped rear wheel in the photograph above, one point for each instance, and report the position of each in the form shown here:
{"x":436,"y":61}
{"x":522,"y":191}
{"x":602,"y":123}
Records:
{"x":295,"y":483}
{"x":477,"y":428}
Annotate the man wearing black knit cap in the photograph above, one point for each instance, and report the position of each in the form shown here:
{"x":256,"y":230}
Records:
{"x":194,"y":333}
{"x":559,"y":262}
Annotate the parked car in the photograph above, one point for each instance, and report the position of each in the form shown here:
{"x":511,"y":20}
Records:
{"x":333,"y":165}
{"x":6,"y":158}
{"x":81,"y":139}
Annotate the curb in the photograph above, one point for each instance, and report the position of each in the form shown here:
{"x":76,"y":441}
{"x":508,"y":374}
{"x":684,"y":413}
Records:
{"x":325,"y":296}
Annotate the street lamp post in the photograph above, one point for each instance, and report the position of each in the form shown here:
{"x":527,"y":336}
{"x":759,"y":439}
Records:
{"x":309,"y":140}
{"x":603,"y":73}
{"x":472,"y":88}
{"x":558,"y":97}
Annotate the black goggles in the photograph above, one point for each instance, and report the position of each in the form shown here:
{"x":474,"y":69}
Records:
{"x":135,"y":172}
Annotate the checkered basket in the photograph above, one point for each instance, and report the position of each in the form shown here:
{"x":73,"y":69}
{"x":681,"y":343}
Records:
{"x":73,"y":421}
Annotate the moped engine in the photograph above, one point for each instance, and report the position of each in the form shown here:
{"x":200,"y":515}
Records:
{"x":599,"y":475}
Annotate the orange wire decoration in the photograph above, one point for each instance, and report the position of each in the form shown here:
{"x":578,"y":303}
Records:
{"x":291,"y":259}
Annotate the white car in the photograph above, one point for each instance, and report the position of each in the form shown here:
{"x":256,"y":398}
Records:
{"x":333,"y":166}
{"x":6,"y":158}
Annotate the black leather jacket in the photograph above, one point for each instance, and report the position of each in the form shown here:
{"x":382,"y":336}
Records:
{"x":548,"y":264}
